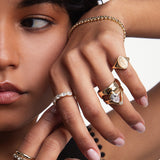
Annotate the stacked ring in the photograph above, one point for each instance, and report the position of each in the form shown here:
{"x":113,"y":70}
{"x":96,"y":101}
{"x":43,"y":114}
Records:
{"x":112,"y":94}
{"x":121,"y":63}
{"x":21,"y":156}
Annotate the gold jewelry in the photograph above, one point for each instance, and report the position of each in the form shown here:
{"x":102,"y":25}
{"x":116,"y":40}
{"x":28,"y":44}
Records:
{"x":59,"y":96}
{"x":21,"y":156}
{"x":99,"y":18}
{"x":121,"y":63}
{"x":113,"y":94}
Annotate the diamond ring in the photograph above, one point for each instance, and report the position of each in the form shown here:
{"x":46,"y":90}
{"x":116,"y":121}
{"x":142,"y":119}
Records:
{"x":113,"y":94}
{"x":21,"y":156}
{"x":59,"y":96}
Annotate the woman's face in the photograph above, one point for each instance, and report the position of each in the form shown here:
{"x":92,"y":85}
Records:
{"x":32,"y":35}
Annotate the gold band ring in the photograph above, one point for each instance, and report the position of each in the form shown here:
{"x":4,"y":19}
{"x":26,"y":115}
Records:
{"x":21,"y":156}
{"x":121,"y":63}
{"x":112,"y":94}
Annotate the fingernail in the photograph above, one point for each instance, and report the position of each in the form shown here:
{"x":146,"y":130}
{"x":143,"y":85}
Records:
{"x":144,"y":101}
{"x":139,"y":127}
{"x":119,"y":142}
{"x":92,"y":155}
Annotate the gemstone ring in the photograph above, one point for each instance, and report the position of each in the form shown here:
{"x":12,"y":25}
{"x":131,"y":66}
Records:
{"x":112,"y":94}
{"x":59,"y":96}
{"x":21,"y":156}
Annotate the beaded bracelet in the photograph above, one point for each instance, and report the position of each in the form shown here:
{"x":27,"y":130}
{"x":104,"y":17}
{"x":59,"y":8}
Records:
{"x":96,"y":139}
{"x":99,"y":18}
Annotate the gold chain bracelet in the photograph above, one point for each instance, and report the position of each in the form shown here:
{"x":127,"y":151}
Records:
{"x":99,"y":18}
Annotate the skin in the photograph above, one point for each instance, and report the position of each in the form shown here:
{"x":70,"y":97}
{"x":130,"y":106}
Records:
{"x":138,"y":146}
{"x":74,"y":54}
{"x":16,"y":57}
{"x":32,"y":47}
{"x":105,"y":39}
{"x":25,"y":62}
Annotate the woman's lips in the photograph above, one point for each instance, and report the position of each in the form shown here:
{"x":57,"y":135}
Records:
{"x":9,"y":93}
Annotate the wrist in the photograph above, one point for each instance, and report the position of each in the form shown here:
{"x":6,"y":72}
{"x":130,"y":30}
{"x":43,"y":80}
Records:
{"x":138,"y":17}
{"x":118,"y":9}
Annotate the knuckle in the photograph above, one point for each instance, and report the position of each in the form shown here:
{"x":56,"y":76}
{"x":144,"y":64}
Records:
{"x":91,"y":112}
{"x":105,"y":37}
{"x":71,"y":58}
{"x":88,"y":47}
{"x":54,"y":71}
{"x":51,"y":144}
{"x":109,"y":39}
{"x":69,"y":118}
{"x":65,"y":134}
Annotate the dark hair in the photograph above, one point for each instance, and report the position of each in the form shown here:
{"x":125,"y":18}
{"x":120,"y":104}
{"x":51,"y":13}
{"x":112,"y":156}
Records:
{"x":76,"y":8}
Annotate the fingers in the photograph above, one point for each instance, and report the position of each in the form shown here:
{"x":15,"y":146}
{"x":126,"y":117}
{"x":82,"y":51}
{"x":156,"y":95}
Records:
{"x":54,"y":144}
{"x":115,"y":48}
{"x":38,"y":135}
{"x":68,"y":109}
{"x":77,"y":72}
{"x":90,"y":104}
{"x":130,"y":115}
{"x":103,"y":79}
{"x":73,"y":121}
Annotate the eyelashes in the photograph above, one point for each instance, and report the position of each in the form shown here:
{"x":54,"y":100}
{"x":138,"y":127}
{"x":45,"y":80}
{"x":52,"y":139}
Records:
{"x":36,"y":23}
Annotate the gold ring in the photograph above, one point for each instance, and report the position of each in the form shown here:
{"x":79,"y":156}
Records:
{"x":112,"y":94}
{"x":121,"y":63}
{"x":21,"y":156}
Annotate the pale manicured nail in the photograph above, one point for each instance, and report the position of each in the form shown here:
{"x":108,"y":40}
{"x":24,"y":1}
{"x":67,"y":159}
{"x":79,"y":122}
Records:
{"x":92,"y":155}
{"x":119,"y":142}
{"x":144,"y":101}
{"x":139,"y":127}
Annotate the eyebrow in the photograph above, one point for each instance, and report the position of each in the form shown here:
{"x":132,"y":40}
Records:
{"x":27,"y":3}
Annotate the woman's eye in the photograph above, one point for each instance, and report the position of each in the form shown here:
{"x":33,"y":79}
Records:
{"x":35,"y":23}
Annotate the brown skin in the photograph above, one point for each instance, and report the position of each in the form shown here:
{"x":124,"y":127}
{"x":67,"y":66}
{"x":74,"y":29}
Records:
{"x":34,"y":103}
{"x":25,"y":62}
{"x":29,"y":50}
{"x":138,"y":146}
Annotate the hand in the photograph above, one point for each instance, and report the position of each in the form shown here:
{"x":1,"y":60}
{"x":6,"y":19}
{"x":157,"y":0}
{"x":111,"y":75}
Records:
{"x":47,"y":138}
{"x":87,"y":62}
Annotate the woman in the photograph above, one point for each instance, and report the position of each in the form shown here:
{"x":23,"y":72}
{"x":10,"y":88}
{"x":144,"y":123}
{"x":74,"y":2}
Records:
{"x":34,"y":27}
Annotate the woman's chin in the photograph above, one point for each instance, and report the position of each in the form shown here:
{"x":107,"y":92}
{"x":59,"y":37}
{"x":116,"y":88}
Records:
{"x":14,"y":124}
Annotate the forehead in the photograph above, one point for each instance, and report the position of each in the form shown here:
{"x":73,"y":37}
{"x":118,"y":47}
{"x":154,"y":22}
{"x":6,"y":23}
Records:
{"x":19,"y":4}
{"x":25,"y":3}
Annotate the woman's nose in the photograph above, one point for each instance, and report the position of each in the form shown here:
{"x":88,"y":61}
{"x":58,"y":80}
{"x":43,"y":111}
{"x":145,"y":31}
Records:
{"x":9,"y":57}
